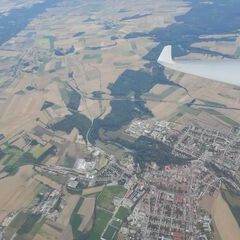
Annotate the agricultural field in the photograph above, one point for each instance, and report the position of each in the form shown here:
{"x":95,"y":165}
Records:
{"x":122,"y":213}
{"x":102,"y":218}
{"x":54,"y":59}
{"x":105,"y":198}
{"x":26,"y":187}
{"x":233,"y":202}
{"x":75,"y":219}
{"x":69,"y":75}
{"x":97,"y":214}
{"x":39,"y":150}
{"x":92,"y":190}
{"x":115,"y":224}
{"x":86,"y":212}
{"x":110,"y":233}
{"x":15,"y":158}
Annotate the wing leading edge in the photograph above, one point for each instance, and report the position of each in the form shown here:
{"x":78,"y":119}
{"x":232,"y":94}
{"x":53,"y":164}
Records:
{"x":226,"y":70}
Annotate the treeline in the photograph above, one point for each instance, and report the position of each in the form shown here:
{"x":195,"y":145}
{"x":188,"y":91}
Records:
{"x":71,"y":97}
{"x":130,"y":83}
{"x":123,"y":112}
{"x":138,"y":82}
{"x":147,"y":150}
{"x":74,"y":120}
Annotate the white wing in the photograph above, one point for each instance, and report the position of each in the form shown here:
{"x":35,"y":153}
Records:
{"x":226,"y":71}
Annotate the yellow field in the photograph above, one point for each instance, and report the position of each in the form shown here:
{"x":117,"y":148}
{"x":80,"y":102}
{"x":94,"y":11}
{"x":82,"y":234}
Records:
{"x":86,"y":211}
{"x":47,"y":182}
{"x":71,"y":201}
{"x":19,"y":192}
{"x":94,"y":69}
{"x":47,"y":232}
{"x":92,"y":190}
{"x":226,"y":225}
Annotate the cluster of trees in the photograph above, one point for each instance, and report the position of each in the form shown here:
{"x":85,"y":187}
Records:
{"x":146,"y":150}
{"x":74,"y":120}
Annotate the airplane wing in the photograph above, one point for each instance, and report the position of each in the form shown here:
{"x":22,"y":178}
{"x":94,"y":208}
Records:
{"x":226,"y":70}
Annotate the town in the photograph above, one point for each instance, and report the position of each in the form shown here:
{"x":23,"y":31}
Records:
{"x":157,"y":201}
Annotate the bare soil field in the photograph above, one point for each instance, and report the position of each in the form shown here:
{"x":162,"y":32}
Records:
{"x":71,"y":201}
{"x":47,"y":232}
{"x":92,"y":190}
{"x":19,"y":192}
{"x":86,"y":211}
{"x":66,"y":233}
{"x":48,"y":182}
{"x":96,"y":61}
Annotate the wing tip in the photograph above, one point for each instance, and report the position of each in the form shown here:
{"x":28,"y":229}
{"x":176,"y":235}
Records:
{"x":166,"y":55}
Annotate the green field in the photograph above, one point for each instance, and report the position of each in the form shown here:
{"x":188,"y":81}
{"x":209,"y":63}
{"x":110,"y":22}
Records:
{"x":194,"y":111}
{"x":102,"y":218}
{"x":222,"y":117}
{"x":46,"y":42}
{"x":75,"y":220}
{"x":116,"y":223}
{"x":12,"y":154}
{"x":226,"y":96}
{"x":69,"y":161}
{"x":39,"y":150}
{"x":18,"y":220}
{"x":96,"y":57}
{"x":15,"y":158}
{"x":59,"y":178}
{"x":6,"y":158}
{"x":70,"y":97}
{"x":214,"y":104}
{"x":43,"y":43}
{"x":185,"y":109}
{"x":25,"y":225}
{"x":105,"y":199}
{"x":121,"y":64}
{"x":122,"y":213}
{"x":131,"y":53}
{"x":13,"y":227}
{"x":109,"y":233}
{"x":29,"y":224}
{"x":161,"y":96}
{"x":41,"y":188}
